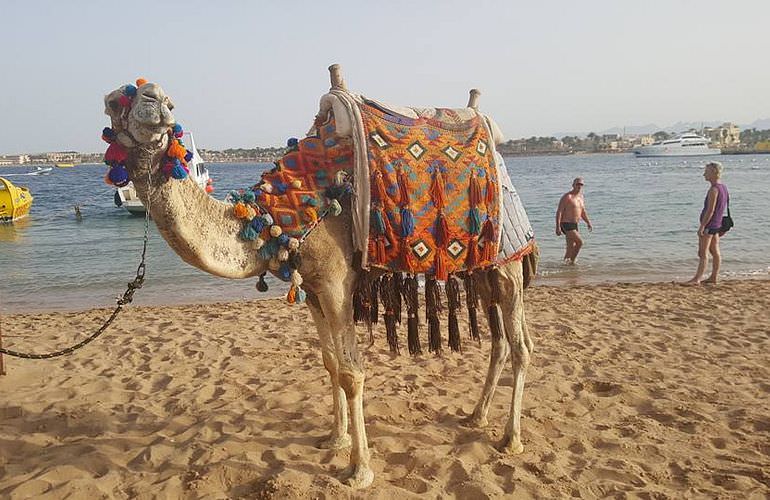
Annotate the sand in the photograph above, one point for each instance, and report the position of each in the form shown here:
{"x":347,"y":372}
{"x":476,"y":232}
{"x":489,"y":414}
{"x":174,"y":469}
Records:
{"x":635,"y":390}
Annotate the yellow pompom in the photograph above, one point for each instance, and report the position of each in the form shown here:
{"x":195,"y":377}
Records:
{"x":296,"y":183}
{"x":275,"y":231}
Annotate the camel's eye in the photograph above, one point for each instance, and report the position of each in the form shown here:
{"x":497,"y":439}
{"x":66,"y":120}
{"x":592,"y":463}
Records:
{"x":114,"y":105}
{"x":170,"y":106}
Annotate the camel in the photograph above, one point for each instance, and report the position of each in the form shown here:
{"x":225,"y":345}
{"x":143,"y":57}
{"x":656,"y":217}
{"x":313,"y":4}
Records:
{"x":203,"y":231}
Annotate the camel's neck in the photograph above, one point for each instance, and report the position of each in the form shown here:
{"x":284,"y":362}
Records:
{"x":202,"y":230}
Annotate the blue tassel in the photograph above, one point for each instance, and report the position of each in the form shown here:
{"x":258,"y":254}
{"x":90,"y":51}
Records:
{"x":474,"y":221}
{"x":188,"y":156}
{"x":248,"y":233}
{"x":377,"y":221}
{"x":407,"y":222}
{"x":178,"y":172}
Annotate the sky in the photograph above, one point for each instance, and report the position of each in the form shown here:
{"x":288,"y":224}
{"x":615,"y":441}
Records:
{"x":250,"y":73}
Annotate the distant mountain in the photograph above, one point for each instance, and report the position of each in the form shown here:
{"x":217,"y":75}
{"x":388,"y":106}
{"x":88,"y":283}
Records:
{"x":651,"y":128}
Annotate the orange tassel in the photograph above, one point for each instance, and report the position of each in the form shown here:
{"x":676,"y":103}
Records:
{"x":437,"y":190}
{"x":380,"y":249}
{"x":407,"y":259}
{"x":488,"y":231}
{"x":491,"y":192}
{"x":380,"y":192}
{"x":403,"y":188}
{"x":291,"y":297}
{"x":176,"y":150}
{"x":442,"y":230}
{"x":472,"y":259}
{"x":474,"y":191}
{"x":440,"y":264}
{"x":490,"y":251}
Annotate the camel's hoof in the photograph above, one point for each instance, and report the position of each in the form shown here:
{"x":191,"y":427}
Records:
{"x":335,"y":442}
{"x":357,"y":476}
{"x":474,"y":421}
{"x":510,"y":446}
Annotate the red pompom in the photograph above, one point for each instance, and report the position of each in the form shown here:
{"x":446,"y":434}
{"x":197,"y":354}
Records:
{"x":125,"y":101}
{"x":116,"y":153}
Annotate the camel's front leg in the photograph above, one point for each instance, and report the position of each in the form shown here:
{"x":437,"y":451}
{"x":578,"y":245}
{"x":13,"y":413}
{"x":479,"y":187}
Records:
{"x":338,"y":310}
{"x":339,"y":437}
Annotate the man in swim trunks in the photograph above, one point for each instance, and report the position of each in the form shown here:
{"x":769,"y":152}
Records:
{"x":571,"y":209}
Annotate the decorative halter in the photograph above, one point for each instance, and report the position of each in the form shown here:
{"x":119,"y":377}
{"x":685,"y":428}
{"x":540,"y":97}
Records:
{"x":173,"y":165}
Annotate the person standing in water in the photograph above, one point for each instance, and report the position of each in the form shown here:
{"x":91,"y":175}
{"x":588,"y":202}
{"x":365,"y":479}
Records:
{"x":710,"y":229}
{"x":571,"y":209}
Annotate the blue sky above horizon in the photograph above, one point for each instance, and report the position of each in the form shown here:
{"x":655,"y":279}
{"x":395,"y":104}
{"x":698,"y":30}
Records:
{"x":246,"y":73}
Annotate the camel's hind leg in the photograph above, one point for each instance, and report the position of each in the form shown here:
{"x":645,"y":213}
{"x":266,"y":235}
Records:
{"x":517,"y":334}
{"x":515,"y":341}
{"x":339,"y":437}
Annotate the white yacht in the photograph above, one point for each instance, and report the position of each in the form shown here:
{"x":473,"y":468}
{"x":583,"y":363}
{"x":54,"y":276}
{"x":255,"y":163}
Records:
{"x":126,"y":196}
{"x":688,"y":144}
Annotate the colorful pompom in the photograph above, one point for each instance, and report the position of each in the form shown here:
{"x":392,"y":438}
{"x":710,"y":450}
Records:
{"x":296,"y":278}
{"x":188,"y":156}
{"x":108,"y":135}
{"x":209,"y":188}
{"x":124,"y":101}
{"x":268,"y":219}
{"x":284,"y":272}
{"x":335,"y":208}
{"x":258,"y":243}
{"x":240,"y":210}
{"x":267,"y":187}
{"x":140,"y":82}
{"x":248,"y":233}
{"x":296,"y":183}
{"x":283,"y":255}
{"x":300,"y":296}
{"x":293,"y":244}
{"x":275,"y":231}
{"x":115,"y":154}
{"x":177,"y":130}
{"x":129,"y":90}
{"x":283,"y":239}
{"x":176,"y":150}
{"x":280,"y":187}
{"x":292,"y":143}
{"x":179,"y":171}
{"x":258,"y":223}
{"x":118,"y":175}
{"x":248,"y":197}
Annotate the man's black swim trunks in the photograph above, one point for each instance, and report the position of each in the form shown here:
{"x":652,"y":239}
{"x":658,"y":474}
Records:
{"x":568,"y":226}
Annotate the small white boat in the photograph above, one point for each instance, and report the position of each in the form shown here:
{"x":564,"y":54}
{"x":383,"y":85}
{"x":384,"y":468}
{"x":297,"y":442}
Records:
{"x":685,"y":145}
{"x":127,"y":198}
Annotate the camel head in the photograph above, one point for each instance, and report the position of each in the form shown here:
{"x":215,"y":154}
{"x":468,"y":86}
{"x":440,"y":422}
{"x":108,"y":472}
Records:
{"x":141,"y":115}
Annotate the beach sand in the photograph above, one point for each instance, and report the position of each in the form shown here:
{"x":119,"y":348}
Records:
{"x":635,"y":390}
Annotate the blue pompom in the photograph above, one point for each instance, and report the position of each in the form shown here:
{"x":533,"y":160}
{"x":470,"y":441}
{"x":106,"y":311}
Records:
{"x":258,"y":224}
{"x":188,"y":156}
{"x":284,"y":272}
{"x":108,"y":132}
{"x":283,"y":239}
{"x":178,"y":172}
{"x":248,"y":233}
{"x":177,"y":129}
{"x":292,"y":142}
{"x":280,"y":187}
{"x":118,"y":175}
{"x":130,"y":90}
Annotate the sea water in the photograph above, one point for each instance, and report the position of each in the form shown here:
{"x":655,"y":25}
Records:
{"x":644,"y":211}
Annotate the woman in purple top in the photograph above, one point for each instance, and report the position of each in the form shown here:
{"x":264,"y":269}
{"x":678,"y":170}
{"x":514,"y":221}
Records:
{"x":710,"y":231}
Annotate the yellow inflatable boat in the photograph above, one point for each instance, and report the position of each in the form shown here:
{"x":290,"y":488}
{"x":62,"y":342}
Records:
{"x":15,"y":202}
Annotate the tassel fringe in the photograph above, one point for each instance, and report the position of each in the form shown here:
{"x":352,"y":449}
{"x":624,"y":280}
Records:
{"x":432,"y":309}
{"x":471,"y":301}
{"x":411,"y":298}
{"x":453,"y":301}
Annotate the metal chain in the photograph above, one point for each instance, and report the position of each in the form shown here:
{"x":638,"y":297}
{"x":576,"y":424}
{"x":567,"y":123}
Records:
{"x":127,"y":297}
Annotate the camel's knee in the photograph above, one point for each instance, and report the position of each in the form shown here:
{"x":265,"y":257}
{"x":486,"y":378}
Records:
{"x":520,"y":353}
{"x":330,"y":363}
{"x":500,"y":350}
{"x":351,"y":381}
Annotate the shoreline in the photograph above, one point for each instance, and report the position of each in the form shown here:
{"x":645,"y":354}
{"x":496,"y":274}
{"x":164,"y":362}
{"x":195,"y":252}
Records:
{"x":540,"y":282}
